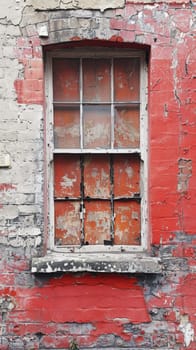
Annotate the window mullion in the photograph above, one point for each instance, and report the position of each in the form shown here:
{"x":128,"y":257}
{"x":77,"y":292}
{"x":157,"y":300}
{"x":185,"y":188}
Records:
{"x":81,"y":104}
{"x":82,"y":205}
{"x":111,"y":157}
{"x":112,"y":197}
{"x":112,"y":103}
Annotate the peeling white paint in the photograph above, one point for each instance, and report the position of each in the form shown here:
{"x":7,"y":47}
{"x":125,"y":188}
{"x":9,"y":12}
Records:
{"x":76,"y":4}
{"x":67,"y":181}
{"x":186,"y":328}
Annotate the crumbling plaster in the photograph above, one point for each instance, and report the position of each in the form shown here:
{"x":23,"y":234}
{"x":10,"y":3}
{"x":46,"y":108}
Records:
{"x":76,"y":4}
{"x":102,"y":310}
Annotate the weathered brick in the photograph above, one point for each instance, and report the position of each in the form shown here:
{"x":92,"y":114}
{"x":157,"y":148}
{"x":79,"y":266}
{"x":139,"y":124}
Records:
{"x":98,"y":311}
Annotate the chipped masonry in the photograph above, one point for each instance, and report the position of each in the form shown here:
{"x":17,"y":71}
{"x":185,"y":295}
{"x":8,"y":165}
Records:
{"x":48,"y":299}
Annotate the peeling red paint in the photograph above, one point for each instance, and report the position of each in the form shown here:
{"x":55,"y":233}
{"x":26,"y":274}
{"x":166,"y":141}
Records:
{"x":6,"y":187}
{"x":29,"y":90}
{"x":108,"y":311}
{"x":99,"y":295}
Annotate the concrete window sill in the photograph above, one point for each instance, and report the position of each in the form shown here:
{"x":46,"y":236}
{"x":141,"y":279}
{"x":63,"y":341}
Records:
{"x":104,"y":263}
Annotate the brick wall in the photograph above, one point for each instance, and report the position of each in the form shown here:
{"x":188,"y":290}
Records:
{"x":98,"y":311}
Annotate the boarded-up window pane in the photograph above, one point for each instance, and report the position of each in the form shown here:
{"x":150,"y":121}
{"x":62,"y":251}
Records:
{"x":67,"y":128}
{"x":127,"y":223}
{"x":126,"y":79}
{"x":66,"y":80}
{"x":126,"y":176}
{"x":67,"y":176}
{"x":97,"y":182}
{"x":67,"y":223}
{"x":97,"y":222}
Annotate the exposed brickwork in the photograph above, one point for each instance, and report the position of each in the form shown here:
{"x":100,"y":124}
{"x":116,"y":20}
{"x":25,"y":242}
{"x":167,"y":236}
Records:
{"x":99,"y":311}
{"x":185,"y":172}
{"x":30,"y":88}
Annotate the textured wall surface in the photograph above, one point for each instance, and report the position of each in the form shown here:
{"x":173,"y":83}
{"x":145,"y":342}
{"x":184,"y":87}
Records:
{"x":98,"y":311}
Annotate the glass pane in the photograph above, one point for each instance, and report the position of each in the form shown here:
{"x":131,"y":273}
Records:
{"x":67,"y":176}
{"x":126,"y":127}
{"x":67,"y":223}
{"x":127,"y":223}
{"x":126,"y":170}
{"x":97,"y":176}
{"x":67,"y":128}
{"x":97,"y":127}
{"x":126,"y":79}
{"x":97,"y":222}
{"x":66,"y":79}
{"x":96,"y":80}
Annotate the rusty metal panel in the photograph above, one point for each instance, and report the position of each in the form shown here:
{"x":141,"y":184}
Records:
{"x":126,"y":169}
{"x":126,"y":79}
{"x":66,"y":79}
{"x":126,"y":127}
{"x":67,"y":176}
{"x":67,"y":222}
{"x":67,"y":128}
{"x":97,"y":127}
{"x":96,"y":80}
{"x":97,"y":222}
{"x":97,"y":176}
{"x":127,"y":223}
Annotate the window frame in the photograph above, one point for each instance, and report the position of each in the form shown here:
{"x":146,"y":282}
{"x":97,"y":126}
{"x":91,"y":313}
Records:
{"x":96,"y":52}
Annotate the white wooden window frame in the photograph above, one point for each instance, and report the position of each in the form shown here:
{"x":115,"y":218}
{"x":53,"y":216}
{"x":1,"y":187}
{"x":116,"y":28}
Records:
{"x":142,"y":151}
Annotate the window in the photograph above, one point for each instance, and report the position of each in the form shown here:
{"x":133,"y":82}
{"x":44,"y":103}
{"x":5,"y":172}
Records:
{"x":97,"y":138}
{"x":98,"y":105}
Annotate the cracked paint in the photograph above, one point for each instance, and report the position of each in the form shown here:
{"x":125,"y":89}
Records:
{"x":94,"y":297}
{"x":67,"y":223}
{"x":80,"y":4}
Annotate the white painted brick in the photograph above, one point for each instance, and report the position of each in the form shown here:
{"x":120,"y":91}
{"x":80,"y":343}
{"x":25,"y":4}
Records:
{"x":9,"y":212}
{"x":82,"y":4}
{"x":28,"y":209}
{"x":11,"y":10}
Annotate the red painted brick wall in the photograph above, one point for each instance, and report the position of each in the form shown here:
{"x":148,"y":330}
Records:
{"x":111,"y":311}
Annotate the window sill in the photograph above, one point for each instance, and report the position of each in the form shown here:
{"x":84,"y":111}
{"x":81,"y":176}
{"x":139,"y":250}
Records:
{"x":104,"y":263}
